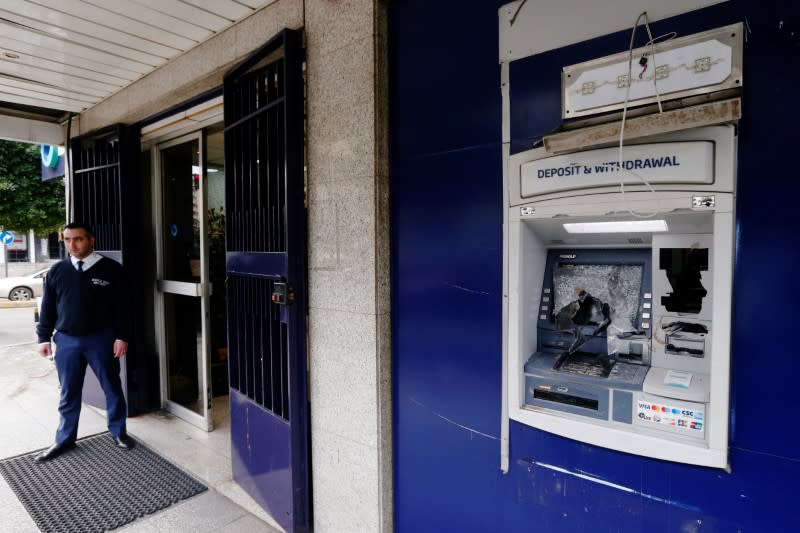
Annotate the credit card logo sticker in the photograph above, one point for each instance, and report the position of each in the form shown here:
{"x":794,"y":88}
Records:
{"x":668,"y":415}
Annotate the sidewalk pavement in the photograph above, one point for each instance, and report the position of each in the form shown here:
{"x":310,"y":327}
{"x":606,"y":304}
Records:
{"x":28,"y":416}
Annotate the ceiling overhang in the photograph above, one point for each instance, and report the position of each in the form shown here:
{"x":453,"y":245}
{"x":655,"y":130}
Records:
{"x":64,"y":56}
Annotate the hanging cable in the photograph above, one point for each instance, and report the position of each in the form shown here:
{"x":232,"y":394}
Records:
{"x":514,"y":17}
{"x":629,"y":81}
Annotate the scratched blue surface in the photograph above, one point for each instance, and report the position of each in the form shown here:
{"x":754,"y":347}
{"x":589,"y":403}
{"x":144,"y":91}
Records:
{"x":447,"y":283}
{"x":260,"y":459}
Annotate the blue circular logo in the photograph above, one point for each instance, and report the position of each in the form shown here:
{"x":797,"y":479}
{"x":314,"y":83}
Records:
{"x":174,"y":230}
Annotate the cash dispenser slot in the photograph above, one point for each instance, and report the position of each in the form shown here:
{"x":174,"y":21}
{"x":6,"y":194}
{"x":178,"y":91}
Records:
{"x":565,"y":396}
{"x":567,"y":399}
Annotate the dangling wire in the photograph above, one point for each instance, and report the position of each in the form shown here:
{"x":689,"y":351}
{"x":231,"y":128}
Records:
{"x":519,"y":8}
{"x":643,"y":62}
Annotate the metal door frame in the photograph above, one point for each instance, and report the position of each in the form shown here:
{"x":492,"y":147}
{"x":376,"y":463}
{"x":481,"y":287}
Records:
{"x":116,"y":221}
{"x":201,"y":290}
{"x":262,"y":259}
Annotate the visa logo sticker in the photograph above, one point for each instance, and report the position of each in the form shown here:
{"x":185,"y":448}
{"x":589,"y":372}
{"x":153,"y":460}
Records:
{"x":687,"y":419}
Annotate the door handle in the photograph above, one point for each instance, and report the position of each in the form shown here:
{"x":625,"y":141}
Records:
{"x":185,"y":288}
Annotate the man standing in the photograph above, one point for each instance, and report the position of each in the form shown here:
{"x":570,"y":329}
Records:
{"x":86,"y":301}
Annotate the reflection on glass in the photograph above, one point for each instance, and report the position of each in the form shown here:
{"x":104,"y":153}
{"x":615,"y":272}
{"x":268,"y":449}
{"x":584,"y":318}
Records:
{"x":184,"y":350}
{"x":215,"y":198}
{"x":181,"y":179}
{"x":183,"y":198}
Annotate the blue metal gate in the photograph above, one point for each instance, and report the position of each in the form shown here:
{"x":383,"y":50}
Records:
{"x":266,"y":279}
{"x":104,"y":193}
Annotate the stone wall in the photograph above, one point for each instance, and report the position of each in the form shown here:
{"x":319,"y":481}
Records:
{"x":349,"y":293}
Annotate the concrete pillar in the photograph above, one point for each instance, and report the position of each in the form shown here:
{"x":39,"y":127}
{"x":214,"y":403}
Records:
{"x":349,"y":307}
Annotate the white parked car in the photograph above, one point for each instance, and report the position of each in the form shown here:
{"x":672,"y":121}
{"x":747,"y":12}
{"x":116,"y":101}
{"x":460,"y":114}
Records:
{"x":22,"y":288}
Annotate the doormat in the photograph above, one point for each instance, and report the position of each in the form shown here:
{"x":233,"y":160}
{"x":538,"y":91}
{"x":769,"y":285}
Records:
{"x":96,"y":486}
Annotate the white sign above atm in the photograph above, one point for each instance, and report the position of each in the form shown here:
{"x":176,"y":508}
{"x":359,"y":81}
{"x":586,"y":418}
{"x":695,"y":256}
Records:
{"x":658,"y":163}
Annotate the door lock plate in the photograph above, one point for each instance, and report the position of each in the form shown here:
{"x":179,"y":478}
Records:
{"x":282,"y":293}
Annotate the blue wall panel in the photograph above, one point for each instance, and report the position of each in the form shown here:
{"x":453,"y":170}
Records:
{"x":457,"y":283}
{"x":434,"y":43}
{"x":447,"y":284}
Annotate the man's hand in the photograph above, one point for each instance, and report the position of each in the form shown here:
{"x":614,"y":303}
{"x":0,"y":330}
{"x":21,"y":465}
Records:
{"x":44,"y":349}
{"x":120,"y":348}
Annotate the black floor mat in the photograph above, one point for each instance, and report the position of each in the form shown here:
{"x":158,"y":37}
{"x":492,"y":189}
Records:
{"x":96,"y":486}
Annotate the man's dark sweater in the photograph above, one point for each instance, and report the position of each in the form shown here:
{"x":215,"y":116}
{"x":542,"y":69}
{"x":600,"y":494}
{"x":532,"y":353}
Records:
{"x":83,"y":303}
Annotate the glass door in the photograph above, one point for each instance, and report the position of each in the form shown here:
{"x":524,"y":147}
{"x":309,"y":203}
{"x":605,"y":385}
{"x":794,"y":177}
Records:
{"x":183,"y":284}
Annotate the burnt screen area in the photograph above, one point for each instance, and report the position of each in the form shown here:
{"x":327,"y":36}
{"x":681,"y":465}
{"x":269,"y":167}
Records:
{"x":683,"y":267}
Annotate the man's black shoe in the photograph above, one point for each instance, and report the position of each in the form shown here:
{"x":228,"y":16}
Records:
{"x":123,"y":441}
{"x":53,"y":451}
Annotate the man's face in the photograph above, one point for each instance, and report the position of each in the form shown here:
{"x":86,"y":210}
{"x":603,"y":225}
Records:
{"x":78,"y":243}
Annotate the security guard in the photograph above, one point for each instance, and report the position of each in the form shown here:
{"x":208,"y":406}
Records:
{"x":86,"y":301}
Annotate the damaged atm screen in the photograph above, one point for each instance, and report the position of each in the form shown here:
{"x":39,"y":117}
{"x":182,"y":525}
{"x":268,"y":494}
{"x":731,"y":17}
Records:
{"x":619,"y":286}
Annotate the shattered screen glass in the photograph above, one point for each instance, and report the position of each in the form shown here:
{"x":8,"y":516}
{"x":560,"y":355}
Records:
{"x":617,"y":285}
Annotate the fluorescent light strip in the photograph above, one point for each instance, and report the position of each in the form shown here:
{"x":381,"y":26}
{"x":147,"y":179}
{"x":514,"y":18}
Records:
{"x":617,"y":226}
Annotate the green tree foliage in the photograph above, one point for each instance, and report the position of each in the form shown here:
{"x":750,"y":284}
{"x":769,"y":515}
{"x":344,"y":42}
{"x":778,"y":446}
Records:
{"x":26,"y":202}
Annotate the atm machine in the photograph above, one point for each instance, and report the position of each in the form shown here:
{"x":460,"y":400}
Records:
{"x":619,"y":248}
{"x":619,"y":303}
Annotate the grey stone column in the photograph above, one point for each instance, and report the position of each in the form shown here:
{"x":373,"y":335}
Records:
{"x":349,"y":279}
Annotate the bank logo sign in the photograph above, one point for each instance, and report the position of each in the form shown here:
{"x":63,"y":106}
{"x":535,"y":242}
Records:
{"x":659,"y":163}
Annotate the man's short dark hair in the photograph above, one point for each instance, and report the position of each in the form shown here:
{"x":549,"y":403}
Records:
{"x":79,"y":225}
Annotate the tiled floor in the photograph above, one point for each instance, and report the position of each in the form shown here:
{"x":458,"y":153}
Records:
{"x":28,"y":418}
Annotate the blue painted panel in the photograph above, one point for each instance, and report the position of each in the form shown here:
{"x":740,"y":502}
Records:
{"x":447,"y":281}
{"x":617,"y":491}
{"x":455,"y":295}
{"x":445,"y":117}
{"x":247,"y":263}
{"x":460,"y":463}
{"x":261,"y":457}
{"x":768,"y":256}
{"x":240,"y":443}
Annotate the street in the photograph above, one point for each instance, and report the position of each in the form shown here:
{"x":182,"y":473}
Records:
{"x":17,"y":326}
